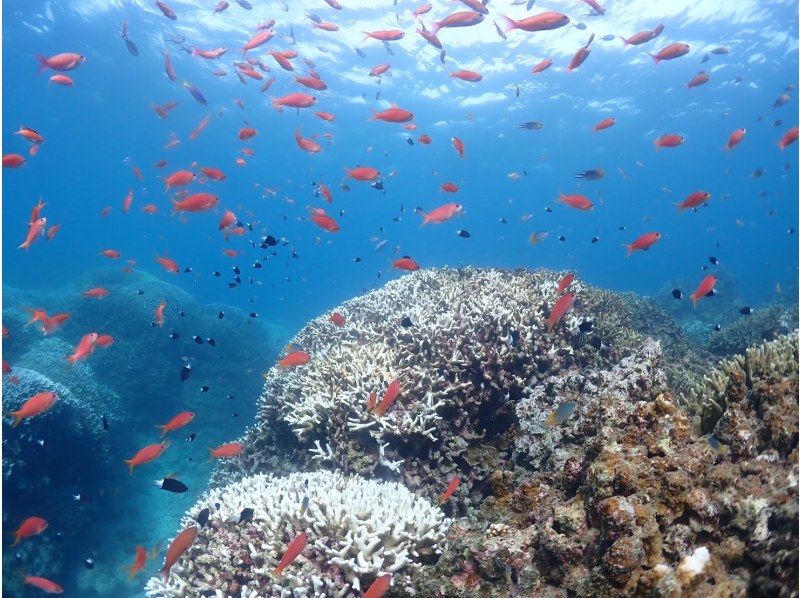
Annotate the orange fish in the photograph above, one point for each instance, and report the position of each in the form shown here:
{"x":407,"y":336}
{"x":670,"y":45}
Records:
{"x":643,"y":243}
{"x":406,"y":263}
{"x":228,"y":218}
{"x":363,"y":173}
{"x":35,"y":230}
{"x":294,"y":100}
{"x":150,"y":208}
{"x":470,"y":76}
{"x":32,"y":526}
{"x":326,"y":192}
{"x":13,"y":161}
{"x":458,"y":145}
{"x":294,"y":359}
{"x":104,"y":340}
{"x":388,"y":35}
{"x":379,"y":586}
{"x":159,"y":314}
{"x":29,"y":134}
{"x":605,"y":123}
{"x":378,"y":70}
{"x":311,"y":83}
{"x":295,"y":547}
{"x":36,"y":405}
{"x":214,"y":174}
{"x":53,"y":323}
{"x":138,"y":563}
{"x":337,"y":319}
{"x":706,"y":286}
{"x":223,"y":451}
{"x":670,"y":52}
{"x":96,"y":293}
{"x":442,"y":213}
{"x":84,"y":349}
{"x":699,"y":79}
{"x":44,"y":584}
{"x":562,"y":306}
{"x":449,"y":187}
{"x":327,"y":116}
{"x":168,"y":264}
{"x":111,"y":254}
{"x":182,"y":542}
{"x":736,"y":138}
{"x":247,"y":133}
{"x":466,"y":18}
{"x":180,"y":420}
{"x":179,"y":178}
{"x":669,"y":140}
{"x":52,"y":231}
{"x":127,"y":201}
{"x":306,"y":144}
{"x":544,"y":21}
{"x":61,"y":62}
{"x":62,"y":80}
{"x":37,"y":210}
{"x":424,"y":139}
{"x":322,"y":220}
{"x":259,"y":39}
{"x":451,"y":487}
{"x":579,"y":202}
{"x":393,"y":115}
{"x":565,"y":282}
{"x":789,"y":138}
{"x":542,"y":66}
{"x":149,"y":453}
{"x":693,"y":200}
{"x":389,"y":397}
{"x":199,"y":202}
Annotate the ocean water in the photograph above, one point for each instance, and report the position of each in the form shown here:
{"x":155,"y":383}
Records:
{"x":509,"y":179}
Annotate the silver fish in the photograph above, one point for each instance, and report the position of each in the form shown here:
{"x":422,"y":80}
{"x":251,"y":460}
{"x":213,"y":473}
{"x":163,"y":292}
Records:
{"x":134,"y":51}
{"x":360,"y":52}
{"x":314,"y":17}
{"x":442,"y":54}
{"x":196,"y":93}
{"x":388,"y":48}
{"x":499,"y":31}
{"x":608,"y":37}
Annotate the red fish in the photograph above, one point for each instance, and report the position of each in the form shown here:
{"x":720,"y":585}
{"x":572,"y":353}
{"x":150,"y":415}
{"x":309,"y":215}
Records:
{"x":442,"y":214}
{"x":29,"y":135}
{"x":295,"y":547}
{"x":581,"y":55}
{"x":179,"y":178}
{"x":13,"y":161}
{"x":706,"y":286}
{"x":311,"y":83}
{"x":389,"y":397}
{"x":104,"y":340}
{"x":96,"y":293}
{"x":36,"y":405}
{"x":327,"y":116}
{"x":379,"y":586}
{"x":579,"y":202}
{"x":52,"y":231}
{"x":50,"y":325}
{"x":449,"y":187}
{"x":430,"y":37}
{"x":458,"y":145}
{"x":669,"y":140}
{"x":406,"y":263}
{"x":247,"y":133}
{"x":465,"y":18}
{"x":670,"y":52}
{"x":149,"y":453}
{"x":150,"y":208}
{"x":736,"y":138}
{"x":199,"y":202}
{"x":224,"y":451}
{"x":694,"y":199}
{"x":84,"y":349}
{"x":544,"y":21}
{"x":228,"y":218}
{"x":363,"y":173}
{"x":62,"y":80}
{"x":470,"y":76}
{"x":326,"y":192}
{"x":337,"y":319}
{"x":170,"y":72}
{"x":322,"y":220}
{"x":32,"y":526}
{"x":425,"y":139}
{"x":388,"y":35}
{"x":214,"y":174}
{"x":451,"y":487}
{"x":605,"y":123}
{"x":308,"y":145}
{"x":542,"y":66}
{"x":44,"y":584}
{"x":168,"y":264}
{"x":699,"y":79}
{"x":294,"y":359}
{"x":561,"y":307}
{"x":36,"y":229}
{"x":166,"y":10}
{"x":565,"y":282}
{"x":393,"y":115}
{"x":61,"y":62}
{"x":641,"y":37}
{"x":199,"y":128}
{"x":643,"y":243}
{"x":294,"y":100}
{"x":259,"y":39}
{"x":378,"y":70}
{"x":159,"y":314}
{"x":182,"y":542}
{"x":180,"y":420}
{"x":212,"y":54}
{"x":138,"y":563}
{"x":788,"y":139}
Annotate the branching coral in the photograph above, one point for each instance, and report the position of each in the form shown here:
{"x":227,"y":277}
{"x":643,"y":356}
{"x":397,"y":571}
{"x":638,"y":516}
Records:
{"x":357,"y":530}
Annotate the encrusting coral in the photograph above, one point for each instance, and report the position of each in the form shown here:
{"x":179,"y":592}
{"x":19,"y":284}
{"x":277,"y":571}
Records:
{"x":357,"y":529}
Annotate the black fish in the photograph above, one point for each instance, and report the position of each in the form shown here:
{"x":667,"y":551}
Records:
{"x":258,"y":265}
{"x":232,"y":285}
{"x":409,"y":141}
{"x":562,"y":238}
{"x":211,"y":342}
{"x":463,"y":233}
{"x":89,"y":562}
{"x":245,"y":4}
{"x":360,"y":52}
{"x":230,"y":397}
{"x":237,"y":279}
{"x":191,"y":437}
{"x":236,"y":270}
{"x":586,"y":326}
{"x":82,"y":498}
{"x":131,"y":47}
{"x":503,"y":221}
{"x":198,"y":339}
{"x":221,"y":315}
{"x":717,"y":327}
{"x":594,"y":174}
{"x":270,"y":241}
{"x":204,"y":388}
{"x":677,"y":294}
{"x":356,"y":259}
{"x":140,"y":292}
{"x":714,"y":261}
{"x":621,"y":227}
{"x":187,"y":270}
{"x":746,"y":311}
{"x":533,"y":125}
{"x":246,"y":515}
{"x":595,"y":239}
{"x":253,"y":314}
{"x":186,"y":371}
{"x":548,"y":209}
{"x":174,"y":335}
{"x":105,"y":423}
{"x":202,"y":517}
{"x":596,"y":342}
{"x":406,"y":322}
{"x":181,"y":313}
{"x":216,"y":273}
{"x":378,"y":185}
{"x":171,"y":485}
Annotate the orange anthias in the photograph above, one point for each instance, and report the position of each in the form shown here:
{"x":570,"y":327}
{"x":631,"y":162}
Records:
{"x":294,"y":359}
{"x":182,"y":542}
{"x":180,"y":420}
{"x":36,"y":405}
{"x":562,"y":306}
{"x":231,"y":449}
{"x":295,"y":547}
{"x":32,"y":526}
{"x":389,"y":397}
{"x":149,"y":453}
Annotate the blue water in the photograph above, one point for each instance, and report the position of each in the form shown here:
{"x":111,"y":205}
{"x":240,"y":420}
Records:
{"x":95,"y":130}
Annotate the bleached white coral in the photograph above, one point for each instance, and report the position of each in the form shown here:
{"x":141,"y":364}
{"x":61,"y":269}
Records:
{"x":692,"y":565}
{"x":357,"y":529}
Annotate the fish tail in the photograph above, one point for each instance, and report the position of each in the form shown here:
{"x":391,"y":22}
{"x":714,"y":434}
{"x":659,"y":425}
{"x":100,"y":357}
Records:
{"x":72,"y":359}
{"x":694,"y":301}
{"x":655,"y":58}
{"x":17,"y":418}
{"x":625,"y":42}
{"x":433,"y":26}
{"x":164,"y":573}
{"x":129,"y":463}
{"x":425,"y":219}
{"x":17,"y":540}
{"x":163,"y":430}
{"x":366,"y":36}
{"x":43,"y":66}
{"x":175,"y":208}
{"x":549,"y":323}
{"x":506,"y":24}
{"x":210,"y":455}
{"x":629,"y":248}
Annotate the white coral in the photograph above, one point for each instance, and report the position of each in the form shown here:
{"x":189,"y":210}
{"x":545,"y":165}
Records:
{"x":357,"y":530}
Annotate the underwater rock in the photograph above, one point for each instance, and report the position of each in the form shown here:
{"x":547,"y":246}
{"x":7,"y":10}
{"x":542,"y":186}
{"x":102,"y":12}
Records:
{"x":479,"y":344}
{"x":641,"y":506}
{"x":357,"y":529}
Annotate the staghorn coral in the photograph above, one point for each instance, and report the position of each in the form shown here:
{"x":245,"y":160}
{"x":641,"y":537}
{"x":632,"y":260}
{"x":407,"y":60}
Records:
{"x":476,"y":345}
{"x":706,"y":400}
{"x":357,"y":530}
{"x":628,"y":502}
{"x":764,"y":324}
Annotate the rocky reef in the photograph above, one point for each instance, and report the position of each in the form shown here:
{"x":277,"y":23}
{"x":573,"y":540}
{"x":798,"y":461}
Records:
{"x":582,"y":471}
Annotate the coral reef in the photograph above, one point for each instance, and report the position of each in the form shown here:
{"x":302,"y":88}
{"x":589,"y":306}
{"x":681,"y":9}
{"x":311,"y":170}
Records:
{"x":764,"y":324}
{"x":631,"y":503}
{"x":358,"y":529}
{"x":465,"y":349}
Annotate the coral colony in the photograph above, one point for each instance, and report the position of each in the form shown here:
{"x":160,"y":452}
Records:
{"x":450,"y":444}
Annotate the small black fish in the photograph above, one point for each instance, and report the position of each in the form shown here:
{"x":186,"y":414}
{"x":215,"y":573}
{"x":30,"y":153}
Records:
{"x":406,"y":322}
{"x":548,"y":209}
{"x":197,"y":339}
{"x":503,"y":221}
{"x":357,"y":260}
{"x":562,"y":238}
{"x":204,"y":388}
{"x":595,"y":239}
{"x":140,"y":292}
{"x":704,"y":267}
{"x":258,"y":265}
{"x":237,"y":279}
{"x":580,"y":26}
{"x":245,"y":4}
{"x":714,"y":261}
{"x":586,"y":326}
{"x":89,"y":562}
{"x":211,"y":342}
{"x":677,"y":294}
{"x":517,"y":93}
{"x":216,"y":273}
{"x":186,"y":371}
{"x":594,"y":174}
{"x":246,"y":515}
{"x":463,"y":233}
{"x":181,"y":313}
{"x":253,"y":314}
{"x":174,"y":335}
{"x":82,"y":498}
{"x":236,"y":270}
{"x":187,"y":270}
{"x":191,"y":437}
{"x":105,"y":423}
{"x":409,"y":141}
{"x":378,"y":185}
{"x":360,"y":52}
{"x":621,"y":227}
{"x":230,"y":397}
{"x":531,"y":125}
{"x":345,"y":187}
{"x":270,"y":241}
{"x":202,"y":517}
{"x":134,"y":51}
{"x":596,"y":342}
{"x":171,"y":485}
{"x":790,"y":231}
{"x":717,"y":327}
{"x":232,"y":285}
{"x":221,"y":315}
{"x":746,"y":311}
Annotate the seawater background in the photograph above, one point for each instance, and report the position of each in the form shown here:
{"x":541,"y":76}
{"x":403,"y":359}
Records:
{"x":91,"y":128}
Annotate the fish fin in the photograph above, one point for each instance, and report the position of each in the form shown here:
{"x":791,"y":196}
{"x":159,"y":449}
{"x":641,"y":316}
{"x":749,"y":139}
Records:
{"x":434,"y":26}
{"x":163,"y":430}
{"x":655,"y":58}
{"x":629,"y":248}
{"x":210,"y":455}
{"x":506,"y":24}
{"x":625,"y":42}
{"x":17,"y":418}
{"x":129,"y":463}
{"x":16,"y":540}
{"x":425,"y":219}
{"x":43,"y":66}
